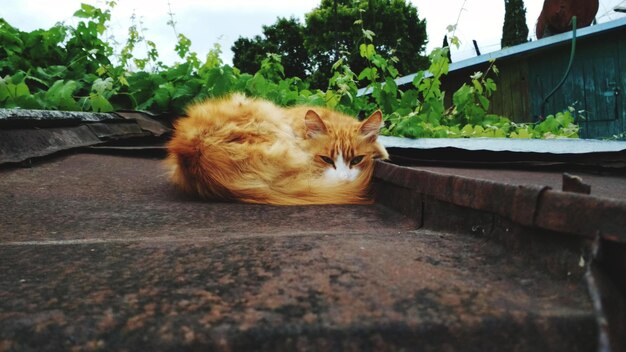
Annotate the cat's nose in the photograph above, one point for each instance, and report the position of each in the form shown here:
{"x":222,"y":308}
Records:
{"x":344,"y":175}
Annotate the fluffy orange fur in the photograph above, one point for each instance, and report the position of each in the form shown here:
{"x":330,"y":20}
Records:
{"x":250,"y":150}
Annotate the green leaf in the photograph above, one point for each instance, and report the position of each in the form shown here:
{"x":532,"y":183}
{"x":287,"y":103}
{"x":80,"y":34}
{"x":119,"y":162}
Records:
{"x":100,"y":86}
{"x":4,"y":90}
{"x":182,"y":91}
{"x":86,"y":11}
{"x":477,"y":86}
{"x":564,"y":118}
{"x":484,"y":102}
{"x":439,"y":65}
{"x":391,"y":87}
{"x":550,"y":124}
{"x":100,"y":103}
{"x":51,"y":72}
{"x":18,"y":77}
{"x":366,"y":73}
{"x":21,"y":90}
{"x":60,"y":95}
{"x":162,"y":96}
{"x":393,"y":71}
{"x":363,"y":50}
{"x":461,"y":97}
{"x":454,"y":40}
{"x":490,"y":85}
{"x":367,"y":50}
{"x":417,"y":80}
{"x":331,"y":99}
{"x":28,"y":102}
{"x":338,"y":63}
{"x":11,"y":42}
{"x":499,"y":133}
{"x":220,"y":80}
{"x":477,"y":75}
{"x":521,"y":133}
{"x":257,"y":85}
{"x":368,"y":34}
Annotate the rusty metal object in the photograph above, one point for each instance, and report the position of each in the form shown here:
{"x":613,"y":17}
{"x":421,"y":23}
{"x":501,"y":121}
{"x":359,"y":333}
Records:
{"x":573,"y":183}
{"x":146,"y":122}
{"x":582,"y":215}
{"x":605,"y":184}
{"x":556,"y":15}
{"x":27,"y":134}
{"x":529,"y":205}
{"x":551,"y":228}
{"x":20,"y":145}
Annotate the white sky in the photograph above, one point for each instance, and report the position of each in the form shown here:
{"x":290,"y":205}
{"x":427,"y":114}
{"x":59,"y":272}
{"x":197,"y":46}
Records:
{"x":207,"y":22}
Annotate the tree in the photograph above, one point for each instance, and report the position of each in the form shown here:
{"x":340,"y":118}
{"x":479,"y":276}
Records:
{"x":333,"y":30}
{"x":248,"y":53}
{"x":285,"y":38}
{"x":514,"y":30}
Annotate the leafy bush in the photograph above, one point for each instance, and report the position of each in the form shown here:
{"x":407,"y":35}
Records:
{"x":69,"y":68}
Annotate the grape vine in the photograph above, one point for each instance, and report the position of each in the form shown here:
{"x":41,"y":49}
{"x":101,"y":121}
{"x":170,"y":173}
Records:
{"x":74,"y":68}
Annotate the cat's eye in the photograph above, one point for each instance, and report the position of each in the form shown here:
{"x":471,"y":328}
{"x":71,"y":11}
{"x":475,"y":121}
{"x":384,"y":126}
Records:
{"x":327,"y":160}
{"x":356,"y":160}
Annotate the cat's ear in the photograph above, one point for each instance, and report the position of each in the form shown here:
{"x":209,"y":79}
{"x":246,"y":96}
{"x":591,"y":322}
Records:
{"x":370,"y":127}
{"x":313,"y":124}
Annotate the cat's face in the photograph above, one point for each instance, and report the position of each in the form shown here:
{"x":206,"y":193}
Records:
{"x":342,"y":147}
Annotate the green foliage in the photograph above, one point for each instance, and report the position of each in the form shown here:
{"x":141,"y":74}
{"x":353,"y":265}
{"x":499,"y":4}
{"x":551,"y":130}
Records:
{"x":284,"y":38}
{"x":332,"y":34}
{"x":514,"y":29}
{"x":424,"y":114}
{"x":68,"y":68}
{"x":310,"y":50}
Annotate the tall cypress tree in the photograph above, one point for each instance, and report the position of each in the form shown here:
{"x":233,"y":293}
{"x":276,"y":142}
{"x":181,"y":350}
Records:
{"x":514,"y":30}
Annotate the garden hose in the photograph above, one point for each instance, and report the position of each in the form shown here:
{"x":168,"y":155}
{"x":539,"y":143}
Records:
{"x":569,"y":67}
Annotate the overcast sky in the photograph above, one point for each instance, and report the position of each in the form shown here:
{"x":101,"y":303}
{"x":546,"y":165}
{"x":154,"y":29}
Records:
{"x":207,"y":22}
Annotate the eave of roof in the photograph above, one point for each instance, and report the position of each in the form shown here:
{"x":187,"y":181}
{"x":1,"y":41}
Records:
{"x":522,"y":49}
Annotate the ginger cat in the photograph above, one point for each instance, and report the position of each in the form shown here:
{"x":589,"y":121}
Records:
{"x":250,"y":150}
